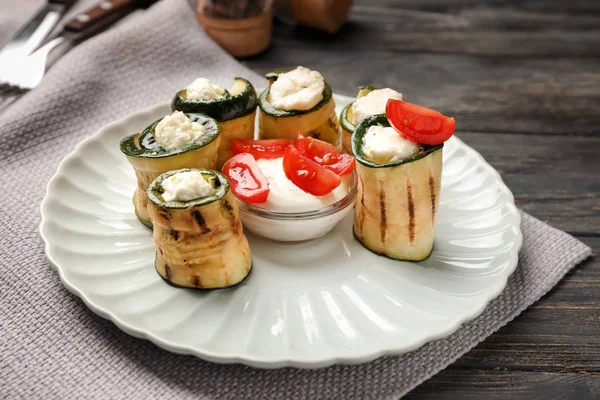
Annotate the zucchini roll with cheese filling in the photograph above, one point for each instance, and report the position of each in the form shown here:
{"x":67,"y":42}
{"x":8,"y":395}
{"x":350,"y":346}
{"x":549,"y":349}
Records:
{"x":298,"y":102}
{"x":197,"y":230}
{"x":398,"y":191}
{"x":235,"y":110}
{"x":369,"y":101}
{"x":176,"y":141}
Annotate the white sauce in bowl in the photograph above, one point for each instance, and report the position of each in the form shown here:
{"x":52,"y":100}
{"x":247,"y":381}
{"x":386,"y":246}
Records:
{"x":285,"y":196}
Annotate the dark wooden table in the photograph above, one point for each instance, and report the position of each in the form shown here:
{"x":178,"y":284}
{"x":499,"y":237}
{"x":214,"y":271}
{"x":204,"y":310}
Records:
{"x":522,"y":79}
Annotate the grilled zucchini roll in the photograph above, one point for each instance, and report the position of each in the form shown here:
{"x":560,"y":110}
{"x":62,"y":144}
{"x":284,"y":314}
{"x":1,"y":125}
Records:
{"x":398,"y":191}
{"x":369,"y":101}
{"x":298,"y":102}
{"x":198,"y":233}
{"x":234,"y":109}
{"x":176,"y":141}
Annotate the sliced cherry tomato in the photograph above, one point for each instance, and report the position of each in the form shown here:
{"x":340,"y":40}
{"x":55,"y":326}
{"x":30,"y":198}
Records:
{"x":419,"y":124}
{"x":307,"y":174}
{"x":268,"y":148}
{"x":325,"y":154}
{"x":246,"y":179}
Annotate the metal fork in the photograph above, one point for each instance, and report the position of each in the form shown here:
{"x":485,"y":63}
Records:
{"x":8,"y":95}
{"x":24,"y":75}
{"x":20,"y":77}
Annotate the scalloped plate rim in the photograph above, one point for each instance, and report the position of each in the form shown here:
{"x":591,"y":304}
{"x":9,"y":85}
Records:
{"x":280,"y":362}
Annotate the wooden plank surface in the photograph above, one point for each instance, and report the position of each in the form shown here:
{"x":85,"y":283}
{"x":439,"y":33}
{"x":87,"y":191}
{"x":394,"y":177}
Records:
{"x":522,"y":79}
{"x":485,"y":94}
{"x":497,"y":69}
{"x":473,"y":384}
{"x":550,"y":351}
{"x":560,"y":333}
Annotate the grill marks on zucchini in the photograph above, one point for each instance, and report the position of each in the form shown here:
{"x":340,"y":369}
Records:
{"x":200,"y":243}
{"x":149,"y":160}
{"x":411,"y":212}
{"x":432,"y":193}
{"x":397,"y":202}
{"x":382,"y":207}
{"x":227,"y":207}
{"x":201,"y":222}
{"x":196,"y":281}
{"x":361,"y":208}
{"x":229,"y":213}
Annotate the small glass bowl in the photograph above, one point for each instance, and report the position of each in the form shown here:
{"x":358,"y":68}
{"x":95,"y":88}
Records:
{"x":296,"y":226}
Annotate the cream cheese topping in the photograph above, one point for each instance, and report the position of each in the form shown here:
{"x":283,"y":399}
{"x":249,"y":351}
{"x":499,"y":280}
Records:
{"x":204,"y":89}
{"x":186,"y":186}
{"x":299,"y":89}
{"x":373,"y":103}
{"x":176,"y":130}
{"x":384,"y":145}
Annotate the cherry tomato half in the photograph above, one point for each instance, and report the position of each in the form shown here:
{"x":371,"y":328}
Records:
{"x":268,"y":148}
{"x":307,"y":174}
{"x":325,"y":154}
{"x":246,"y":179}
{"x":419,"y":124}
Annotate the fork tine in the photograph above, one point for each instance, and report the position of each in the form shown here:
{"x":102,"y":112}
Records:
{"x":8,"y":94}
{"x":5,"y":102}
{"x":6,"y":89}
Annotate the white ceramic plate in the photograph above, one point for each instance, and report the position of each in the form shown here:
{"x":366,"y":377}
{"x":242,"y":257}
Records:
{"x":306,"y":305}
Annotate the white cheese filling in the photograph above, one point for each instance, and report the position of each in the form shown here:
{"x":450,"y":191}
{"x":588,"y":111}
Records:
{"x":186,"y":186}
{"x":176,"y":130}
{"x":384,"y":145}
{"x":285,"y":196}
{"x":204,"y":89}
{"x":299,"y":89}
{"x":373,"y":103}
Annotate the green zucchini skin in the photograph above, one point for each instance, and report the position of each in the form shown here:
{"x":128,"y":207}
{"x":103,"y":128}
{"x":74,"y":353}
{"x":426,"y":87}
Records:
{"x":175,"y":285}
{"x":155,"y":190}
{"x":364,"y":90}
{"x":268,"y":108}
{"x":149,"y":148}
{"x":228,"y":108}
{"x":381,"y":119}
{"x":200,"y":243}
{"x":397,"y":203}
{"x":345,"y":123}
{"x":382,"y":254}
{"x":272,"y":76}
{"x":144,"y":222}
{"x":149,"y":159}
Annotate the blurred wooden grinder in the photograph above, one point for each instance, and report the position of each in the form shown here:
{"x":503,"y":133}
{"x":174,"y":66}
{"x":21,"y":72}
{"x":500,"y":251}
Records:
{"x":243,"y":28}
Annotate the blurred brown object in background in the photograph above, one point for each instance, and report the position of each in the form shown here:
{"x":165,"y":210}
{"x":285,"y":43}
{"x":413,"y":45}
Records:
{"x":242,"y":28}
{"x":327,"y":15}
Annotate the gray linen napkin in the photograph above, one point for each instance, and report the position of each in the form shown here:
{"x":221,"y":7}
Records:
{"x":52,"y":346}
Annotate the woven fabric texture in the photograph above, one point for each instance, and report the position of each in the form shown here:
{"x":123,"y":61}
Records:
{"x":53,"y":347}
